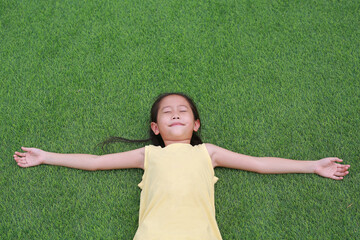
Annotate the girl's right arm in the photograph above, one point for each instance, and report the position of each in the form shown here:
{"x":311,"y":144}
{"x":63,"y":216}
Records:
{"x":33,"y":157}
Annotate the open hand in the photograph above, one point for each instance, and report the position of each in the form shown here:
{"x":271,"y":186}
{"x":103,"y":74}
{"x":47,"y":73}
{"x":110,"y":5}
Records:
{"x":31,"y":157}
{"x":330,"y":168}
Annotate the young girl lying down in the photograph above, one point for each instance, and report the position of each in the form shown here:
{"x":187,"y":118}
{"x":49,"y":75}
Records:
{"x":177,"y":197}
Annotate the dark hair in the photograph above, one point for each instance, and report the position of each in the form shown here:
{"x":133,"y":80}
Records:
{"x":157,"y":139}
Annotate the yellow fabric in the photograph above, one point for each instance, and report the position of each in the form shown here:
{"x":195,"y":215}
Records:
{"x":177,"y":197}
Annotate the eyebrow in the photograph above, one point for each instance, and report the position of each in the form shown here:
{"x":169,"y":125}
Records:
{"x":177,"y":106}
{"x":183,"y":106}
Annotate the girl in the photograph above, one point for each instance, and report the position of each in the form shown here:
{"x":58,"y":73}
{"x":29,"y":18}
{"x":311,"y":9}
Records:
{"x":177,"y":197}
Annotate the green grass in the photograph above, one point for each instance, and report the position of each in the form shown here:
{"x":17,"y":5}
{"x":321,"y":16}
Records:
{"x":270,"y":78}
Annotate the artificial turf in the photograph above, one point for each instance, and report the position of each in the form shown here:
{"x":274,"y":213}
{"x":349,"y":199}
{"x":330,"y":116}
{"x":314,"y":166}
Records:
{"x":270,"y":78}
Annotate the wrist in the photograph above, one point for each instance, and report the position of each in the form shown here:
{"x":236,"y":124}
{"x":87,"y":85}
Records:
{"x":45,"y":158}
{"x":314,"y":166}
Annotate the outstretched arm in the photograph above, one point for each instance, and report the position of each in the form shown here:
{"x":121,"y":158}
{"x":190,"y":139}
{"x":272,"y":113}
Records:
{"x":327,"y":167}
{"x":33,"y":157}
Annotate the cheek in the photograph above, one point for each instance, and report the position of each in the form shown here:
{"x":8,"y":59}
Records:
{"x":191,"y":117}
{"x":161,"y":122}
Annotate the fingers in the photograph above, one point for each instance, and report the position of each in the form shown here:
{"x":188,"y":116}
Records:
{"x":341,"y":167}
{"x":21,"y":161}
{"x":20,"y":157}
{"x":337,"y":178}
{"x":20,"y":154}
{"x":341,"y":172}
{"x":335,"y":159}
{"x":26,"y":149}
{"x":339,"y":160}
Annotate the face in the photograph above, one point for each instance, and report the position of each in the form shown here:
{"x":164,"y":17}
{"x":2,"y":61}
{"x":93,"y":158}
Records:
{"x":175,"y":120}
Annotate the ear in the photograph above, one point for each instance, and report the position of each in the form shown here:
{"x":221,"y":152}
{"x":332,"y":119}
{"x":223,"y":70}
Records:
{"x":155,"y":128}
{"x":196,"y":125}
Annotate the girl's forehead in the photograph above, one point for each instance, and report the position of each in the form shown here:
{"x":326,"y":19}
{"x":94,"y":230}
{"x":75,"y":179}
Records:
{"x":173,"y":100}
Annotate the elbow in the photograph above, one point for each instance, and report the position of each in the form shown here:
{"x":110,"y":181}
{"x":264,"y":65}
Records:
{"x":94,"y":164}
{"x":92,"y":169}
{"x":259,"y":166}
{"x":261,"y":171}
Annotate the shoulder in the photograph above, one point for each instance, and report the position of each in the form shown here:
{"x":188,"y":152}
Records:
{"x":214,"y":153}
{"x":222,"y":157}
{"x":211,"y":148}
{"x":121,"y":160}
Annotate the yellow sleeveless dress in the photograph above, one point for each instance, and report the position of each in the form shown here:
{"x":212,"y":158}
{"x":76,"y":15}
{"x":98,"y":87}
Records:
{"x":177,"y":197}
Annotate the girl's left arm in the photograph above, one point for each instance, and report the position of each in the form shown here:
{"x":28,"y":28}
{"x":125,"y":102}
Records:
{"x":326,"y":167}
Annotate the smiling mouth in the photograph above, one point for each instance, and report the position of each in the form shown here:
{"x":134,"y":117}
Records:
{"x":176,"y":124}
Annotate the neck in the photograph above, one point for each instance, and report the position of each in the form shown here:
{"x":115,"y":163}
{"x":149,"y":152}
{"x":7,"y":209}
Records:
{"x":169,"y":142}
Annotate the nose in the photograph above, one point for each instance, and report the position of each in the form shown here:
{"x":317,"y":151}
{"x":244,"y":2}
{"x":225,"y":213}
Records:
{"x":175,"y":116}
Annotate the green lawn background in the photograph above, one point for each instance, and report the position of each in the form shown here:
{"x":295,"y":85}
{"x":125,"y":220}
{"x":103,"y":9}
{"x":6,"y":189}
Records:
{"x":270,"y":78}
